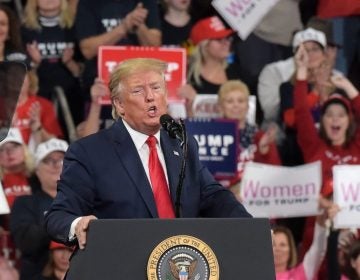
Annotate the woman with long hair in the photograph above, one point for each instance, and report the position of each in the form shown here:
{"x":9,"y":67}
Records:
{"x":10,"y":39}
{"x":337,"y":141}
{"x":208,"y":67}
{"x":48,"y":34}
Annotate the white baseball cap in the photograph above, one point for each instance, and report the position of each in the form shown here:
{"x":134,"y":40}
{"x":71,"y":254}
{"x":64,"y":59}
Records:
{"x":48,"y":147}
{"x":14,"y":135}
{"x":309,"y":34}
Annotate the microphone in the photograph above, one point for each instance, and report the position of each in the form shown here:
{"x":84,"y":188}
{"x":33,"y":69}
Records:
{"x":178,"y":131}
{"x":174,"y":129}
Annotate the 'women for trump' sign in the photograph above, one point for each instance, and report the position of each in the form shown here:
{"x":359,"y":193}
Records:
{"x":4,"y":206}
{"x":278,"y":191}
{"x":347,"y":195}
{"x":243,"y":15}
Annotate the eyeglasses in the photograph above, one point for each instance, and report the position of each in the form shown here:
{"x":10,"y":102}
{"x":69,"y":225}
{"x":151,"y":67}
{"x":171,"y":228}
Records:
{"x":53,"y":162}
{"x":9,"y":149}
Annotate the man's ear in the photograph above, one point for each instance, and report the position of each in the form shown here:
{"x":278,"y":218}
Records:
{"x":119,"y":106}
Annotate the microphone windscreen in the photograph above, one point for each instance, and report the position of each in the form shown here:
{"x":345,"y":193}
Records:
{"x":166,"y":120}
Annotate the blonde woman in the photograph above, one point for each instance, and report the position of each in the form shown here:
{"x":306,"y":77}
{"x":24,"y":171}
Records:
{"x":254,"y":144}
{"x":208,"y":68}
{"x":50,"y":42}
{"x":16,"y":167}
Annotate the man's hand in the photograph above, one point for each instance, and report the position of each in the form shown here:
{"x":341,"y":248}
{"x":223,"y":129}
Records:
{"x":81,"y":229}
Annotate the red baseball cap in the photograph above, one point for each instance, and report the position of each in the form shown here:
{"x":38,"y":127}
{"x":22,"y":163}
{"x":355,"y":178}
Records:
{"x":337,"y":98}
{"x":209,"y":28}
{"x":54,"y":245}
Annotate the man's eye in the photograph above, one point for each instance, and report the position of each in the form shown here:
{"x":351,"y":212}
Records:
{"x":157,"y":88}
{"x":137,"y":91}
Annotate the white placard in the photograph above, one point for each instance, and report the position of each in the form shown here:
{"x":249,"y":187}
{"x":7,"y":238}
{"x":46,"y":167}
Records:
{"x":206,"y":106}
{"x":4,"y":206}
{"x":347,"y":195}
{"x":243,"y":15}
{"x":177,"y":109}
{"x":276,"y":191}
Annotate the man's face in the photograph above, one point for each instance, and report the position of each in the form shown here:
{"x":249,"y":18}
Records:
{"x":143,"y":99}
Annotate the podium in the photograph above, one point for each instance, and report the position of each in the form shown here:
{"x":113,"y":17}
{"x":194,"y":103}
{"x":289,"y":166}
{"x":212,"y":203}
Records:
{"x":201,"y":248}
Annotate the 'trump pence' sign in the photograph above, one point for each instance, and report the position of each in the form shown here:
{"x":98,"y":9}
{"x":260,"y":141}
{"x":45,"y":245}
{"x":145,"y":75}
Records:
{"x":278,"y":191}
{"x":218,"y":144}
{"x":347,"y":195}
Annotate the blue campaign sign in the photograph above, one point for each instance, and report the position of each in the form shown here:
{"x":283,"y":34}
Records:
{"x":218,"y":144}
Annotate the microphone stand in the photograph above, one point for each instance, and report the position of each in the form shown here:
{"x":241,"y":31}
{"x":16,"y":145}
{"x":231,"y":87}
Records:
{"x":184,"y":145}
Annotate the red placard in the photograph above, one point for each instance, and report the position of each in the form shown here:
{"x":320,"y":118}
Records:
{"x":110,"y":56}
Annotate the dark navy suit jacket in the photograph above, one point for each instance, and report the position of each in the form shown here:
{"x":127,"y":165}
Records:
{"x":103,"y":176}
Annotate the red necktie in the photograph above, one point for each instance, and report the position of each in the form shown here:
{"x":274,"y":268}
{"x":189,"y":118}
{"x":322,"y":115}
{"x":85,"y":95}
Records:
{"x":158,"y":182}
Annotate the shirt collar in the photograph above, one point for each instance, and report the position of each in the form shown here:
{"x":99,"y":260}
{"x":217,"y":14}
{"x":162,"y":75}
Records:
{"x":139,"y":138}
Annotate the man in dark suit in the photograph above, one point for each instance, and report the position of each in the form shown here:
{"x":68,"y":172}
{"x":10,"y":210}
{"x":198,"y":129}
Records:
{"x":109,"y":174}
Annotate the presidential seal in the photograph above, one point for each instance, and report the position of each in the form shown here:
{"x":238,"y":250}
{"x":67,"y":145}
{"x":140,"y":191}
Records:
{"x":182,"y":257}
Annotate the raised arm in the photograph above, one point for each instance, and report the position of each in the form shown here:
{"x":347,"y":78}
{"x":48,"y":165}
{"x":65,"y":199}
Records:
{"x":267,"y":151}
{"x":270,"y":79}
{"x":92,"y":122}
{"x":351,"y":91}
{"x":315,"y":255}
{"x":307,"y":135}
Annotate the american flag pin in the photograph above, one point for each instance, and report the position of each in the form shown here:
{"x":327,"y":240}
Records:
{"x":176,"y":153}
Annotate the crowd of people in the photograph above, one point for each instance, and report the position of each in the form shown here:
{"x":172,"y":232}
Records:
{"x":302,"y":68}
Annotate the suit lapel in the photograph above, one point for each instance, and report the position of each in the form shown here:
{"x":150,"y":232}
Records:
{"x":173,"y":156}
{"x":131,"y":161}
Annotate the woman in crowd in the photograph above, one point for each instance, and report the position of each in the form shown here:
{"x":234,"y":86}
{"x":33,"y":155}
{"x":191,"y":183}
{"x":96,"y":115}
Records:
{"x":50,"y":42}
{"x":285,"y":251}
{"x":338,"y":139}
{"x":349,"y":253}
{"x":255,"y":145}
{"x":176,"y":22}
{"x":354,"y":261}
{"x":319,"y":69}
{"x":58,"y":262}
{"x":34,"y":115}
{"x":10,"y":40}
{"x":27,"y":215}
{"x":16,"y":166}
{"x":209,"y":67}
